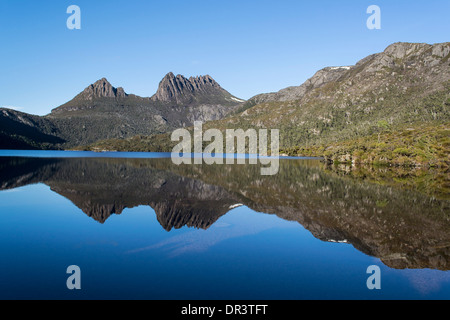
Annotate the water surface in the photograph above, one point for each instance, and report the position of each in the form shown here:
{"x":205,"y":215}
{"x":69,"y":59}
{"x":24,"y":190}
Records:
{"x":140,"y":227}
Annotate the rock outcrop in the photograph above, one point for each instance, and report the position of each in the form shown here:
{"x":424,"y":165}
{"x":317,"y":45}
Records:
{"x":180,"y":89}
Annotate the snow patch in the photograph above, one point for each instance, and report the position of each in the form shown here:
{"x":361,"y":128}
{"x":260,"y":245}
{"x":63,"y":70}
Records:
{"x":337,"y":68}
{"x":338,"y":241}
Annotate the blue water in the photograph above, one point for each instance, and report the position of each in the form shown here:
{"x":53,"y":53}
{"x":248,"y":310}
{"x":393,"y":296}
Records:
{"x":245,"y":254}
{"x":124,"y":155}
{"x":81,"y":154}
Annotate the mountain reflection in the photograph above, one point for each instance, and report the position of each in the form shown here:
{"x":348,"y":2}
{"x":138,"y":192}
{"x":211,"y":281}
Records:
{"x":403,"y":228}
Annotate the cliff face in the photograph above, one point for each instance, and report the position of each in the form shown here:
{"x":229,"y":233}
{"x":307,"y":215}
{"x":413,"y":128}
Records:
{"x":181,"y":90}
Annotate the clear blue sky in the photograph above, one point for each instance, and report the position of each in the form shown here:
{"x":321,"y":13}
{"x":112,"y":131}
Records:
{"x":248,"y":46}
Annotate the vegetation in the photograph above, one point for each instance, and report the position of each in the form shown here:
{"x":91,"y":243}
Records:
{"x":419,"y":145}
{"x":414,"y":145}
{"x":414,"y":157}
{"x":432,"y":182}
{"x":19,"y":130}
{"x":140,"y":143}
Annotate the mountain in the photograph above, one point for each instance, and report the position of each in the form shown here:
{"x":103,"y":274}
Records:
{"x":202,"y":89}
{"x":319,"y":79}
{"x":99,"y":92}
{"x":410,"y":60}
{"x":341,"y":113}
{"x":407,"y":83}
{"x":102,"y":111}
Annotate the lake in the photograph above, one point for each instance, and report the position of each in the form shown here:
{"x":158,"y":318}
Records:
{"x":140,"y":227}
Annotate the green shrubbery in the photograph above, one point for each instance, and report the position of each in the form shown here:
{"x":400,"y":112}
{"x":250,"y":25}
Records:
{"x":426,"y":144}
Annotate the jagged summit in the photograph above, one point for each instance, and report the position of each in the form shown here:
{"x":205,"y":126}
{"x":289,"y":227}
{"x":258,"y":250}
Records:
{"x":100,"y":92}
{"x":180,"y":89}
{"x":101,"y":89}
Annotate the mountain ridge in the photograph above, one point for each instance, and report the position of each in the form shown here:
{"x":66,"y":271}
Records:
{"x":405,"y":83}
{"x":102,"y":111}
{"x":181,"y":89}
{"x":329,"y":74}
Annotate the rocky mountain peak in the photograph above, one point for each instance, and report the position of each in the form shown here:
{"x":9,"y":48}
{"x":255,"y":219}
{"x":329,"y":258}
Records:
{"x":102,"y":89}
{"x":402,"y":49}
{"x":201,"y":81}
{"x":180,"y":89}
{"x":419,"y":58}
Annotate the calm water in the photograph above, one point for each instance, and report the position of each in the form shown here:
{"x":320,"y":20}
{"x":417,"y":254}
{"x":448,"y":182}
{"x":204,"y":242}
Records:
{"x":140,"y":227}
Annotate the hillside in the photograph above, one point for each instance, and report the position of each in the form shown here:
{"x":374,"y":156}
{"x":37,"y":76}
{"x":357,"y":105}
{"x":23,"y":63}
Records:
{"x":420,"y":145}
{"x":407,"y":83}
{"x":20,"y":130}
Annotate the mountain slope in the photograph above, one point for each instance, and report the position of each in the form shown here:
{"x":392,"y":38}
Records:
{"x":20,"y":130}
{"x":425,"y":59}
{"x":406,"y":83}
